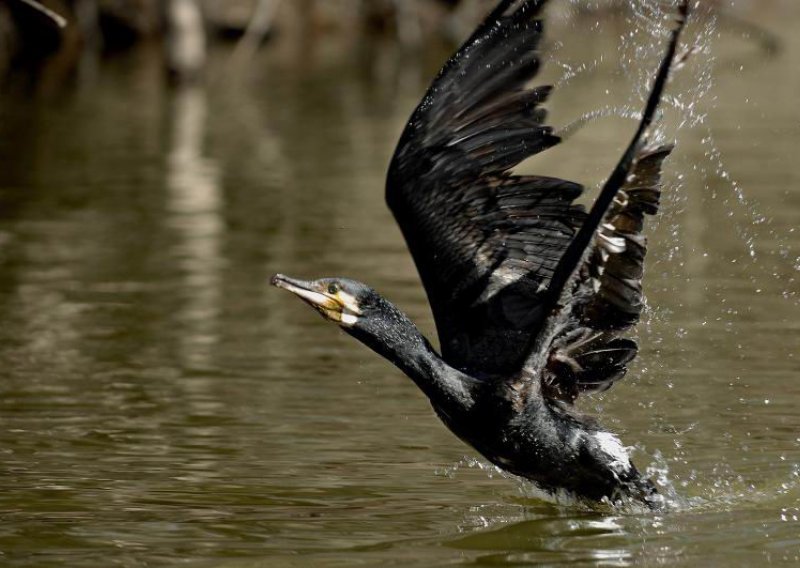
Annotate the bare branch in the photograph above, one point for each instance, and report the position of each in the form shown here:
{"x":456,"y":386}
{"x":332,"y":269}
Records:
{"x":58,"y":19}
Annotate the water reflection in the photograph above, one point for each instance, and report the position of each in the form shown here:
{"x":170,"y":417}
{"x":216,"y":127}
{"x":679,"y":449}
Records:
{"x":195,"y":205}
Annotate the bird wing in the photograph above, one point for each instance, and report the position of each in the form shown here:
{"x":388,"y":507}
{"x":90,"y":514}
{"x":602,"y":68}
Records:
{"x":485,"y":242}
{"x":595,"y":292}
{"x":587,"y":353}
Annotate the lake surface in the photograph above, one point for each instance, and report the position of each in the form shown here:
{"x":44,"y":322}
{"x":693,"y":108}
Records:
{"x":161,"y":405}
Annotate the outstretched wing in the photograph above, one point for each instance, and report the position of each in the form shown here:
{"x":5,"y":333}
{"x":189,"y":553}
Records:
{"x":486,"y":243}
{"x":588,"y":353}
{"x":596,"y":290}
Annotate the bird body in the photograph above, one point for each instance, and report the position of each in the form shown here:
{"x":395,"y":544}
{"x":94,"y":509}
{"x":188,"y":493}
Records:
{"x":530,"y":293}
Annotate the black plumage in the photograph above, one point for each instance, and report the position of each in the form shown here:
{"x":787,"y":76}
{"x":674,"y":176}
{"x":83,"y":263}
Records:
{"x":529,"y":291}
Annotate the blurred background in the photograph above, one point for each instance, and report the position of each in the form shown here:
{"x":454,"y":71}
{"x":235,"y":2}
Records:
{"x":186,"y":32}
{"x":160,"y":404}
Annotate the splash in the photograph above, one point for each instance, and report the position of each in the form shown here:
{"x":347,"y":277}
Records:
{"x":471,"y":463}
{"x":528,"y":491}
{"x":723,"y":490}
{"x":686,"y":115}
{"x":685,"y":111}
{"x":639,"y":48}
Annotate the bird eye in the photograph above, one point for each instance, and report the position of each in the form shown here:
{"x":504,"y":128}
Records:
{"x":333,"y":288}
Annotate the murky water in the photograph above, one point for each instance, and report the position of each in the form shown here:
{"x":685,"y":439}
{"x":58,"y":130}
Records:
{"x":160,"y":404}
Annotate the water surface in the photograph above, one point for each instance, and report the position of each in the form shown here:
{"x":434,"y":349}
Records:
{"x":161,"y":405}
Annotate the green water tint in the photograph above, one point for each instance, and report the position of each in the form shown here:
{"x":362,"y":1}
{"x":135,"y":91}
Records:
{"x":160,"y":404}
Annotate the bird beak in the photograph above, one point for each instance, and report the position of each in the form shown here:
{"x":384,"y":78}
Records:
{"x":307,"y":291}
{"x":336,"y":308}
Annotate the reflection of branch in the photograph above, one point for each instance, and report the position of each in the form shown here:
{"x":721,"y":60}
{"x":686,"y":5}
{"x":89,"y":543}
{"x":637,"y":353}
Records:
{"x":195,"y":206}
{"x":58,"y":19}
{"x":257,"y":29}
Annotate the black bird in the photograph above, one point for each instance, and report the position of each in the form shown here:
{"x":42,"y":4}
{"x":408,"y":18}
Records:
{"x":530,"y":292}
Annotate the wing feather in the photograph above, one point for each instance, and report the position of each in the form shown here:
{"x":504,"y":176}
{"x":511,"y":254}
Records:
{"x":587,"y":354}
{"x":485,"y":242}
{"x":595,"y":292}
{"x":519,"y":277}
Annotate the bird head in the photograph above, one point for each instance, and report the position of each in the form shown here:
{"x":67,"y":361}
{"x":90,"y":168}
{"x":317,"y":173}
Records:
{"x":338,"y":300}
{"x":371,"y":319}
{"x":361,"y":312}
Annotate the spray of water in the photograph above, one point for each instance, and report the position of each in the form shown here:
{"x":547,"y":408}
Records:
{"x":647,"y":24}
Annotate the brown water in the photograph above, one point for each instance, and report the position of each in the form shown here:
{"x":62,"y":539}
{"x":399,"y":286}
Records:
{"x":161,"y":405}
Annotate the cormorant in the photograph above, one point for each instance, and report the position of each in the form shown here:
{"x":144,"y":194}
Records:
{"x":530,"y":293}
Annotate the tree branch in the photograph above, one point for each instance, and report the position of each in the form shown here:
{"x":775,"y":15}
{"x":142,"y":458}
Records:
{"x":57,"y":19}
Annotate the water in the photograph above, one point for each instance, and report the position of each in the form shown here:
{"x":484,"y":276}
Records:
{"x":160,"y":404}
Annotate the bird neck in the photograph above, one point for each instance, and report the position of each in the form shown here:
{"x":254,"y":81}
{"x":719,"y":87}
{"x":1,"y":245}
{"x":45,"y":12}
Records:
{"x":397,"y":339}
